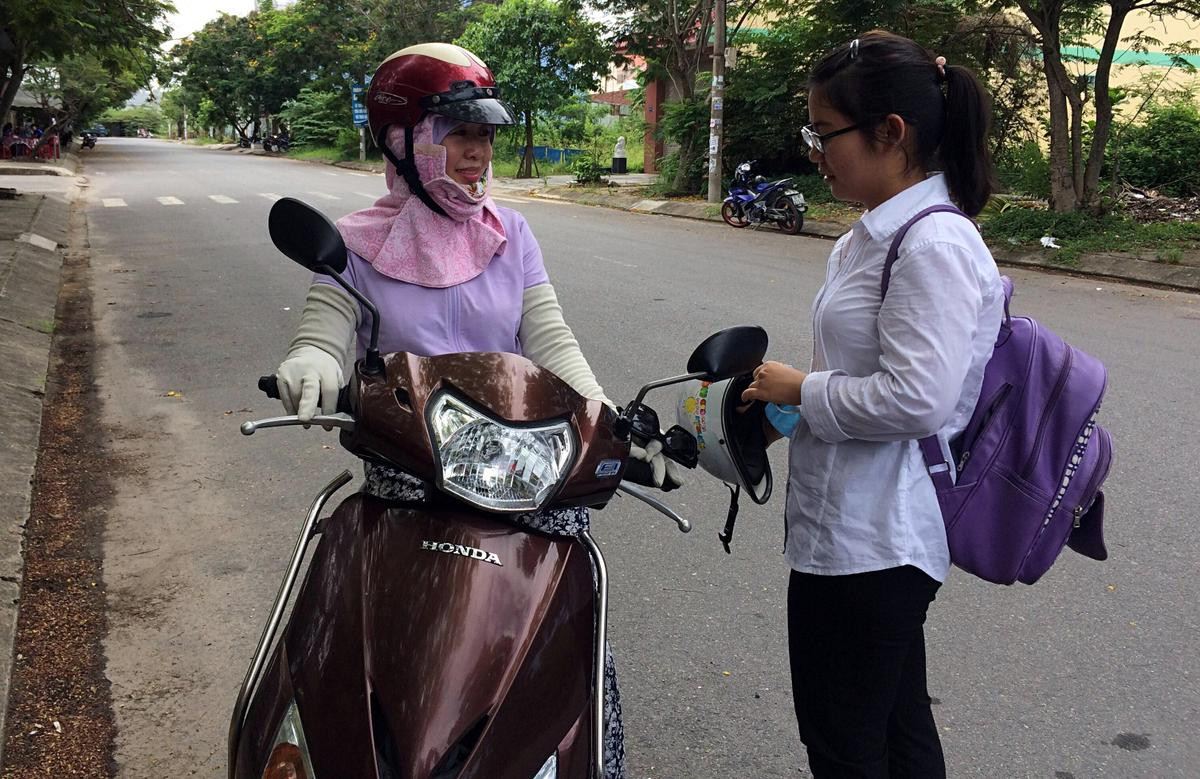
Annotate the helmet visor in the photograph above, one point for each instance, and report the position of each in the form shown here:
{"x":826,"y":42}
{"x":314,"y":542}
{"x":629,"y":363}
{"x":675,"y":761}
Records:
{"x":469,"y":103}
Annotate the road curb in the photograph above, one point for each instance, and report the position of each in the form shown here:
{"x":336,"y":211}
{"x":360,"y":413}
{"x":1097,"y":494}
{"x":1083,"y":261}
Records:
{"x":33,"y":237}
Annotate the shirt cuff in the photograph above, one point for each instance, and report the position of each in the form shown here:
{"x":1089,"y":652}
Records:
{"x":818,"y":412}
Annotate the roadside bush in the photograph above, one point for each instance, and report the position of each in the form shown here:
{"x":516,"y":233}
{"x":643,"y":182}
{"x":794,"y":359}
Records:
{"x":588,"y":170}
{"x":1025,"y":170}
{"x":316,"y":118}
{"x":1162,"y":152}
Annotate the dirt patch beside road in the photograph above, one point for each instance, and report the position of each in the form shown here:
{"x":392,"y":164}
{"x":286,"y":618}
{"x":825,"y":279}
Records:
{"x":60,"y":720}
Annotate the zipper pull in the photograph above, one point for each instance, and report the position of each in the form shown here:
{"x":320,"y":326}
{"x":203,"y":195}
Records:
{"x":962,"y":461}
{"x":1078,"y":515}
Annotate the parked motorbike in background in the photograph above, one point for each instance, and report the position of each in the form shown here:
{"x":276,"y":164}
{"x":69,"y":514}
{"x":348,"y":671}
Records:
{"x":759,"y":201}
{"x":87,"y":141}
{"x":279,"y":142}
{"x":440,"y":638}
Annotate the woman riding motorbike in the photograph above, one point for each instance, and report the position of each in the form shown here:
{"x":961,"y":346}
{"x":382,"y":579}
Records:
{"x":455,"y":271}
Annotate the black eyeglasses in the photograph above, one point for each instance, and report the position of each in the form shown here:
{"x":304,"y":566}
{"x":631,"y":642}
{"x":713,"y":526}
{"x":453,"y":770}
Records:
{"x":817,"y":140}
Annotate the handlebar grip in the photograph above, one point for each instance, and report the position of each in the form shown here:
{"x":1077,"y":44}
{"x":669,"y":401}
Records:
{"x":270,"y":387}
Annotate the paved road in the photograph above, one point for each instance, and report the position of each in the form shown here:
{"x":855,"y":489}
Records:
{"x":1093,"y":672}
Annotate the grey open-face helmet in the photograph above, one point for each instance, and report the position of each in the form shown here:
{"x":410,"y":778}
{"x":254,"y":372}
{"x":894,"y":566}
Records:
{"x":732,"y":443}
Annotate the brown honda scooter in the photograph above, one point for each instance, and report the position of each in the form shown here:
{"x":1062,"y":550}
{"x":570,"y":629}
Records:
{"x":439,"y":639}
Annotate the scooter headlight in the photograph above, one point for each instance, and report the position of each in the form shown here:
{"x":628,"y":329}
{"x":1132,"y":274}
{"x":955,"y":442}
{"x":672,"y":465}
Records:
{"x":549,"y":769}
{"x":289,"y":756}
{"x":497,"y":466}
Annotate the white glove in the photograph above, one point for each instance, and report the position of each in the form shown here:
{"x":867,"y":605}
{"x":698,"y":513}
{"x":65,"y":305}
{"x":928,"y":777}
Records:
{"x":310,"y":376}
{"x":665,"y":472}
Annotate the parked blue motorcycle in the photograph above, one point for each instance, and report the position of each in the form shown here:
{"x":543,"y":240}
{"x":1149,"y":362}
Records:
{"x":758,"y":201}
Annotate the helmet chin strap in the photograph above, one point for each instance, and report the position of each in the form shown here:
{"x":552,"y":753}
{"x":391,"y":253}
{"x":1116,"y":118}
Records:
{"x":408,"y":168}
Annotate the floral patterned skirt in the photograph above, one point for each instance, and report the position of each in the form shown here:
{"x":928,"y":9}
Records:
{"x":391,"y":484}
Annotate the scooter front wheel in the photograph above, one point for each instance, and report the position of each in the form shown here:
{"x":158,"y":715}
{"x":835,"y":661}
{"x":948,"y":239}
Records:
{"x":733,"y":216}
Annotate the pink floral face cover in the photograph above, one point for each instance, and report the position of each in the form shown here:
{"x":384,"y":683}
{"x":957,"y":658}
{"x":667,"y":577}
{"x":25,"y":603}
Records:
{"x":404,"y":240}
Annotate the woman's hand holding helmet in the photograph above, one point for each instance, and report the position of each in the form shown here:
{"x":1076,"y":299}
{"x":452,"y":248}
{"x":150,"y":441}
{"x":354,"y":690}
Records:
{"x":775,"y":382}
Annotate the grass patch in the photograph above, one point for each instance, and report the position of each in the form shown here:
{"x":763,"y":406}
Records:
{"x":44,"y":326}
{"x":206,"y":141}
{"x":1081,"y":233}
{"x":323,"y":153}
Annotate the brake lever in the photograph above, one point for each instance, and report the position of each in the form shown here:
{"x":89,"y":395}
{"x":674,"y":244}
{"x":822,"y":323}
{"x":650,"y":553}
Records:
{"x":341,"y":420}
{"x":642,"y":494}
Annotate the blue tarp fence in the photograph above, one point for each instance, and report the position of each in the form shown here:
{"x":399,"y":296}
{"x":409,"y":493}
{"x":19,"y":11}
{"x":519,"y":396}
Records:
{"x":551,"y":154}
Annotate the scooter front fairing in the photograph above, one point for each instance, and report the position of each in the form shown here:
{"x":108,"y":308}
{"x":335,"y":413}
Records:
{"x":431,"y":641}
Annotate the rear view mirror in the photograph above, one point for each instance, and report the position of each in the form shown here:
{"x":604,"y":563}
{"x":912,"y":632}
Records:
{"x":306,"y":236}
{"x":730,"y":352}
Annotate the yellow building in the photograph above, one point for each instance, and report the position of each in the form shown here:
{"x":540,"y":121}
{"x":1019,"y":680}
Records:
{"x":1154,"y":66}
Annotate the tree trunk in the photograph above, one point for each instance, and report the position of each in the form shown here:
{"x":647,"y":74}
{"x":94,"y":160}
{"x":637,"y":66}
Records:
{"x":1104,"y":113}
{"x":526,"y":169}
{"x":16,"y":74}
{"x":1066,"y":106}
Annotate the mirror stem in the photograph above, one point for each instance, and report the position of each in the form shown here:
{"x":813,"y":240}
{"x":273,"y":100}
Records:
{"x":625,"y":423}
{"x":373,"y":363}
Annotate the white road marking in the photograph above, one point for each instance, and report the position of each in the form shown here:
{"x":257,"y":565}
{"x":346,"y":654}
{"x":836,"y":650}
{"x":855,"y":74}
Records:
{"x":224,"y":199}
{"x":614,"y":262}
{"x":329,"y":173}
{"x":368,"y":194}
{"x":354,"y":173}
{"x":114,"y":202}
{"x":269,"y":195}
{"x":170,"y":201}
{"x":324,"y":195}
{"x":37,"y":240}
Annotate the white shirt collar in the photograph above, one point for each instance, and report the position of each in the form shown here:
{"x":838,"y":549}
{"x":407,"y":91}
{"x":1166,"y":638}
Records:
{"x":886,"y":218}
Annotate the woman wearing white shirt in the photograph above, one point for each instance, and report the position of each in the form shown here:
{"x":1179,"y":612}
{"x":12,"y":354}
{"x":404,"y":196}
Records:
{"x":865,"y":538}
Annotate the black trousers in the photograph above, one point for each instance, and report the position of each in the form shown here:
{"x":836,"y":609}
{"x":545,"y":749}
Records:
{"x":857,"y":648}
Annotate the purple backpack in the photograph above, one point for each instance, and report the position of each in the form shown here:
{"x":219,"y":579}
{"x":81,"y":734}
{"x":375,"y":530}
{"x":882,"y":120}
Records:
{"x":1031,"y":459}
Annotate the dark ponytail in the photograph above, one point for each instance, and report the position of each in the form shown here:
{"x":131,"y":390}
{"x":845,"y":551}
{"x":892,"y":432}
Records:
{"x":964,"y":151}
{"x":880,"y":73}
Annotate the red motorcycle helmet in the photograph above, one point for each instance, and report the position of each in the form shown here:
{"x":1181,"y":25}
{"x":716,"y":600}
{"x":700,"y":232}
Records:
{"x":438,"y":78}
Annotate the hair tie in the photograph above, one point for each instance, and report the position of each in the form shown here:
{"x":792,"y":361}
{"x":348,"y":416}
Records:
{"x":941,"y":66}
{"x":854,"y":48}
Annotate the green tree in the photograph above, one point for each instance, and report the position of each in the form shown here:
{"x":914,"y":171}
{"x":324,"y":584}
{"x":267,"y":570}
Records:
{"x":1077,"y":147}
{"x":542,"y":51}
{"x":118,"y":32}
{"x":85,"y":86}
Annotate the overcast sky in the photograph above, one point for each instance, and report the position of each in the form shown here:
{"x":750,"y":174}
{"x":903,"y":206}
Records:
{"x":193,"y":14}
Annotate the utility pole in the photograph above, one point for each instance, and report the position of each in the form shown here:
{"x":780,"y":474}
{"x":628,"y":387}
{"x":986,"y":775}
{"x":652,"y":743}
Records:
{"x":715,"y":129}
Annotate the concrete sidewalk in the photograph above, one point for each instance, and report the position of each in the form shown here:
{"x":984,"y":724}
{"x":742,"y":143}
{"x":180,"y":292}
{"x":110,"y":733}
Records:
{"x":33,"y":232}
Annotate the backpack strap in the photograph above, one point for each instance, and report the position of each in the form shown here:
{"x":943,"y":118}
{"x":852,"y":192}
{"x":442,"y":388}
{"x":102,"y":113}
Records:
{"x":894,"y":250}
{"x":931,"y":450}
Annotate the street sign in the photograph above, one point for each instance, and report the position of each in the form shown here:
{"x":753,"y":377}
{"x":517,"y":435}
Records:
{"x":356,"y":106}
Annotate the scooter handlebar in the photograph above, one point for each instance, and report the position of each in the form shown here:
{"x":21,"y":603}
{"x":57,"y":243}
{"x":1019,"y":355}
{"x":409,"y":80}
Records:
{"x":270,"y":387}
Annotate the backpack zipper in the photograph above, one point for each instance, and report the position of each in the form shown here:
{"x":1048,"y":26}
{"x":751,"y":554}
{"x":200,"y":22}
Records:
{"x":1081,"y":444}
{"x":1094,"y":484}
{"x":1041,"y":434}
{"x":993,"y":407}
